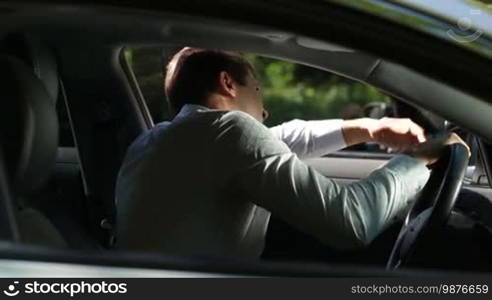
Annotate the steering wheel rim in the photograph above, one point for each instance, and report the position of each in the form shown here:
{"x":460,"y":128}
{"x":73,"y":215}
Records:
{"x":432,"y":209}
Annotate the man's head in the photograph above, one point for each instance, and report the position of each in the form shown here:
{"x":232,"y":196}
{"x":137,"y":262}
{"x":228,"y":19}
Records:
{"x":213,"y":78}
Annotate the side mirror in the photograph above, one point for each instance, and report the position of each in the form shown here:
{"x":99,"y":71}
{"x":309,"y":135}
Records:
{"x":378,"y":110}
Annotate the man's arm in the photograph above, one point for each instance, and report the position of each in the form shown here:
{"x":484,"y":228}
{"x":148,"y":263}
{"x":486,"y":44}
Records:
{"x":318,"y":138}
{"x":342,"y":216}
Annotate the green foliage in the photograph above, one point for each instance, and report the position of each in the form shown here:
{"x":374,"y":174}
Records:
{"x":296,"y":91}
{"x":147,"y":65}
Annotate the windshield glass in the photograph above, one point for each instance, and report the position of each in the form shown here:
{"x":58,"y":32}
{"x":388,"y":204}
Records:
{"x":467,"y":14}
{"x":467,"y":23}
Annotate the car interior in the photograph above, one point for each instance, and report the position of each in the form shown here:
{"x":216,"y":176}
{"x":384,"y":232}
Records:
{"x":72,"y":106}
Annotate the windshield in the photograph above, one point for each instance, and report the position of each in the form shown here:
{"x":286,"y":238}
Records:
{"x":467,"y":23}
{"x":469,"y":15}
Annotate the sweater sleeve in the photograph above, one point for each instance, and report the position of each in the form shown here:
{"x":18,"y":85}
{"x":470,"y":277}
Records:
{"x":345,"y":217}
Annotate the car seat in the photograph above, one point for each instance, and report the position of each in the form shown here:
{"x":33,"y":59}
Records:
{"x":29,"y":140}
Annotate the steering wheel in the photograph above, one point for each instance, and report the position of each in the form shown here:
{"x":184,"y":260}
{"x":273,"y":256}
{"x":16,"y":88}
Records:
{"x":433,"y":207}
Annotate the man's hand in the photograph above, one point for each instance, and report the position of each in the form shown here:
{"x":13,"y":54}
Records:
{"x":397,"y":134}
{"x":431,"y":150}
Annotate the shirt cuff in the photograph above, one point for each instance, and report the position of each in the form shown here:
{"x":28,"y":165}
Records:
{"x":327,"y":136}
{"x":412,"y":171}
{"x":311,"y":138}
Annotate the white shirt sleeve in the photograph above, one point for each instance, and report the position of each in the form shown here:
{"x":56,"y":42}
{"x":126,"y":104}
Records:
{"x":311,"y":138}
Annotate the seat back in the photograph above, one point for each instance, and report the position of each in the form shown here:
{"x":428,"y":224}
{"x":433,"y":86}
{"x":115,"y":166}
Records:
{"x":29,"y":140}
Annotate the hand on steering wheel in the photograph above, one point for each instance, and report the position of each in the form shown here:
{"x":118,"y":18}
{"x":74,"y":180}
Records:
{"x":432,"y":150}
{"x":432,"y":209}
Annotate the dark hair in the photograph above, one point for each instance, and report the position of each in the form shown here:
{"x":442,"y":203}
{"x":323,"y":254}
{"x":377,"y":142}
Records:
{"x":192,"y":74}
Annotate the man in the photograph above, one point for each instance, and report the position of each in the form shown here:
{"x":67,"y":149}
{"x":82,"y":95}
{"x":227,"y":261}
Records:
{"x":205,"y":183}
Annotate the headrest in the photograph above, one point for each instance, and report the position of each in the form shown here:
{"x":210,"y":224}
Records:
{"x":28,"y":125}
{"x":38,"y":56}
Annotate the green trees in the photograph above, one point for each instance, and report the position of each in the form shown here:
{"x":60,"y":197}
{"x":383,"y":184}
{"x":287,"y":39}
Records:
{"x":295,"y":91}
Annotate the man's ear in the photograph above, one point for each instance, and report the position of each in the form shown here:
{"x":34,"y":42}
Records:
{"x":227,"y":86}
